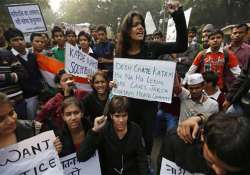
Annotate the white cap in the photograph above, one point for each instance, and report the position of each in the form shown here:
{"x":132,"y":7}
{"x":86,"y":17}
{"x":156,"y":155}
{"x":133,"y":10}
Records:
{"x":194,"y":79}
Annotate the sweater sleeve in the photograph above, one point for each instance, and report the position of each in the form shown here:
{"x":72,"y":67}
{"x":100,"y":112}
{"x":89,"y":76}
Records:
{"x":53,"y":103}
{"x":237,"y":89}
{"x":88,"y":146}
{"x":181,"y":43}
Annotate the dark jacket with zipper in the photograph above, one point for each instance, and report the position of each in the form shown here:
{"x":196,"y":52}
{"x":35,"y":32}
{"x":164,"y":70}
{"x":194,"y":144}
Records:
{"x":93,"y":106}
{"x":66,"y":138}
{"x":126,"y":155}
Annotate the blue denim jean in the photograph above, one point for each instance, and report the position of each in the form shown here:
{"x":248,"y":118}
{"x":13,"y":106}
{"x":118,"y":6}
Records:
{"x":170,"y":120}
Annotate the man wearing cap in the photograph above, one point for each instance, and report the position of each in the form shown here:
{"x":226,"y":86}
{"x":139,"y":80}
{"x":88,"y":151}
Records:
{"x":194,"y":102}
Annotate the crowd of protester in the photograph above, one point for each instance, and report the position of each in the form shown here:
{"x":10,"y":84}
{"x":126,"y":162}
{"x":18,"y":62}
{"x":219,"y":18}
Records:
{"x":204,"y":130}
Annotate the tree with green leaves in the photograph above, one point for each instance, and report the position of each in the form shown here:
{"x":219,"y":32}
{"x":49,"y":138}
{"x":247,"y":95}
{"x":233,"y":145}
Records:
{"x":219,"y":12}
{"x":105,"y":11}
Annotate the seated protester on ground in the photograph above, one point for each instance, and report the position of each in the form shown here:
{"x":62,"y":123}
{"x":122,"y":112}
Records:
{"x":84,"y":40}
{"x":216,"y":59}
{"x":71,"y":37}
{"x":194,"y":102}
{"x":58,"y":51}
{"x":11,"y":74}
{"x":118,"y":141}
{"x":51,"y":114}
{"x":94,"y":103}
{"x":37,"y":42}
{"x":32,"y":86}
{"x":211,"y":89}
{"x":75,"y":128}
{"x":13,"y":130}
{"x":186,"y":156}
{"x":224,"y":141}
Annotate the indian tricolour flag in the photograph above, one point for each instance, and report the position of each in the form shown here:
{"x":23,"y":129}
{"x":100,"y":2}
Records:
{"x":49,"y":67}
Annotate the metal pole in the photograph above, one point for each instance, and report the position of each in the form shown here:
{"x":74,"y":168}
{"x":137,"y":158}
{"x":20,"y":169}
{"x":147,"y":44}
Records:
{"x":164,"y":17}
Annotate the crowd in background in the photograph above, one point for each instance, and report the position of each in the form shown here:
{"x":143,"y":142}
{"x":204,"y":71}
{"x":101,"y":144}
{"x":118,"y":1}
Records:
{"x":205,"y":129}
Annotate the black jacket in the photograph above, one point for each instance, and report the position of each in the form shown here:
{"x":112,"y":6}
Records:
{"x":114,"y":152}
{"x":25,"y":129}
{"x":66,"y":138}
{"x":93,"y":107}
{"x":187,"y":156}
{"x":33,"y":85}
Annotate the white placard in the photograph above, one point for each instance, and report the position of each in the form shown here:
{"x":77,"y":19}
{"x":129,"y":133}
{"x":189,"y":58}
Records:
{"x":72,"y":167}
{"x":79,"y":63}
{"x":144,"y":79}
{"x":33,"y":156}
{"x":149,"y":24}
{"x":27,"y":18}
{"x":170,"y":168}
{"x":171,"y":30}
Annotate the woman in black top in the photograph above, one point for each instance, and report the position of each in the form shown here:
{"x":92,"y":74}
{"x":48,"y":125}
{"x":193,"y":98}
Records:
{"x":119,"y":142}
{"x":132,"y":44}
{"x":95,"y":102}
{"x":75,"y":126}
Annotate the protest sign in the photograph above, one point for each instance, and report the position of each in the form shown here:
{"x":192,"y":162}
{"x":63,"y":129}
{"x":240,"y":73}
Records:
{"x":144,"y":79}
{"x":72,"y":167}
{"x":171,"y":30}
{"x":27,"y":17}
{"x":79,"y":63}
{"x":170,"y":168}
{"x":33,"y":156}
{"x":149,"y":24}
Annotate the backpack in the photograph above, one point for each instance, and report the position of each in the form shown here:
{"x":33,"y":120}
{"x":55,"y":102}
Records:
{"x":228,"y":75}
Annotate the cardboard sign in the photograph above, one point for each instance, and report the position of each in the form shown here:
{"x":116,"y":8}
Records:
{"x":79,"y":63}
{"x":149,"y":24}
{"x":27,"y":17}
{"x":72,"y":167}
{"x":33,"y":156}
{"x":170,"y":168}
{"x":144,"y":79}
{"x":171,"y":30}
